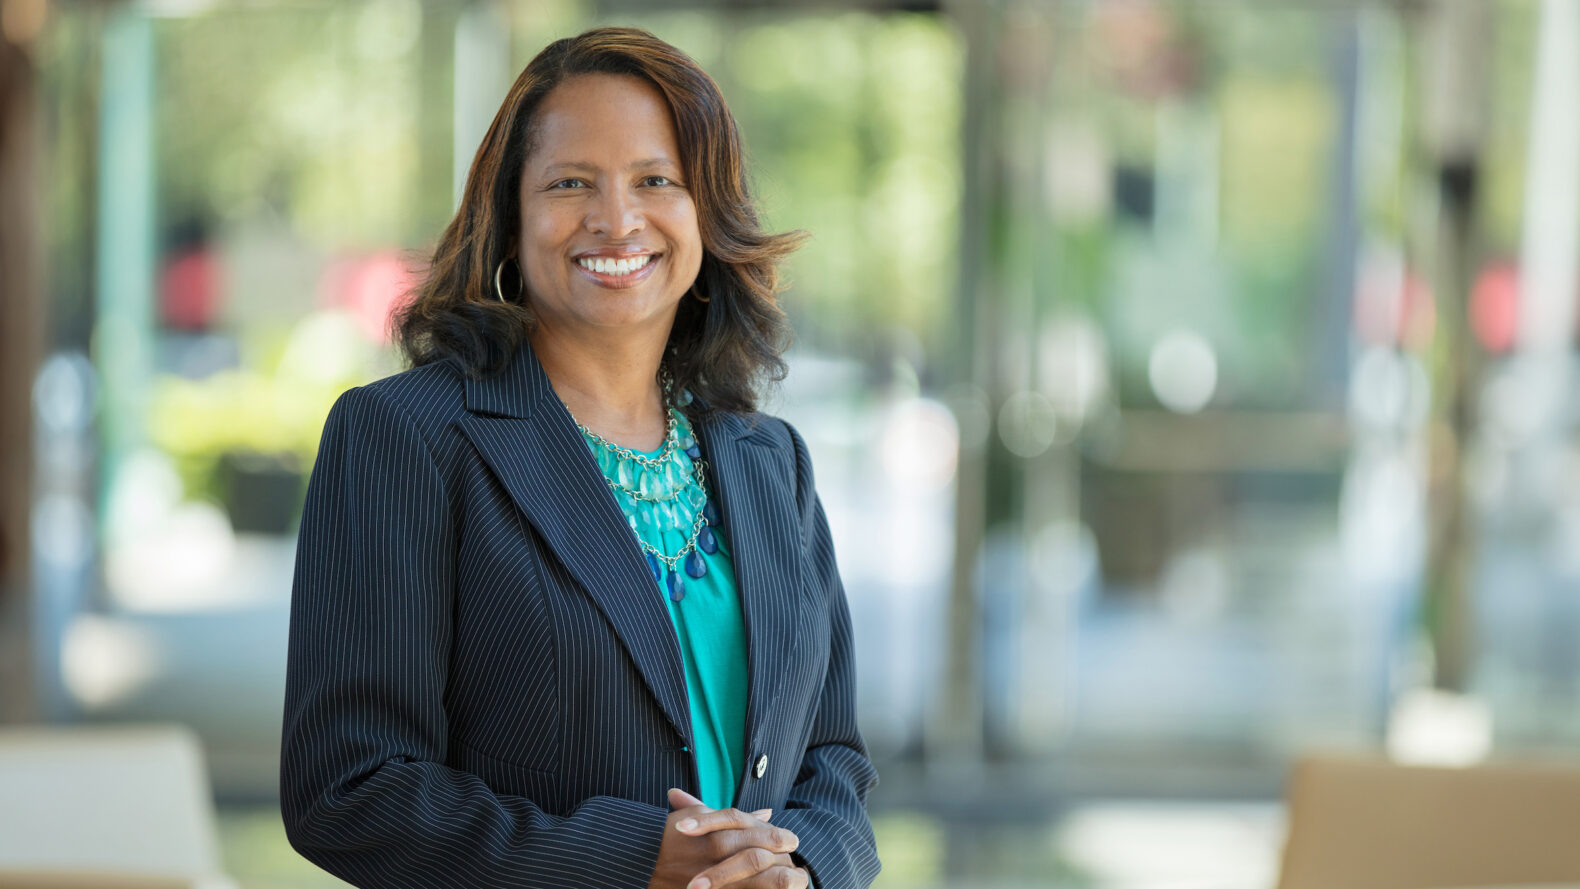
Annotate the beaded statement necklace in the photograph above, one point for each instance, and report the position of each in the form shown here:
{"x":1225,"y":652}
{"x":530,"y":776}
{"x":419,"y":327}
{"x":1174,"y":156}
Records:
{"x":676,"y":492}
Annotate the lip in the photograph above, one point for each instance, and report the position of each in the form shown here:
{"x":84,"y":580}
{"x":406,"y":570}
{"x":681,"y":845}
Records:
{"x":618,"y":282}
{"x":614,"y":253}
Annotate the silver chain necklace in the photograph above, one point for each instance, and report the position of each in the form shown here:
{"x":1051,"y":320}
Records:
{"x":701,"y":539}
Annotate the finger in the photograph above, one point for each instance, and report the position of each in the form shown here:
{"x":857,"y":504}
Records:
{"x":763,"y":814}
{"x":724,"y":843}
{"x":774,"y":878}
{"x":742,"y":865}
{"x":718,"y":819}
{"x":680,"y":799}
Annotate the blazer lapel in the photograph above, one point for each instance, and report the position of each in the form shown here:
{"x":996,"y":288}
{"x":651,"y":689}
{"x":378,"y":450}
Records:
{"x":524,"y":433}
{"x":526,"y":436}
{"x":755,"y":481}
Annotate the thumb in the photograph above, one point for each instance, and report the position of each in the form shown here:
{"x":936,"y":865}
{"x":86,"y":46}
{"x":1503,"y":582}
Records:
{"x":679,"y":799}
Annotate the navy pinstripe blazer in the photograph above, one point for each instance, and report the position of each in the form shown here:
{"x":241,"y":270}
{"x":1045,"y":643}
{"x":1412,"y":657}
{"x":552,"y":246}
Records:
{"x":483,"y":684}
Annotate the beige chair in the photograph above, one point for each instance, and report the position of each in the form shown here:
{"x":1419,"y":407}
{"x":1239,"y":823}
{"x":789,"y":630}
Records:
{"x":119,"y":807}
{"x":1359,"y":823}
{"x":56,"y":878}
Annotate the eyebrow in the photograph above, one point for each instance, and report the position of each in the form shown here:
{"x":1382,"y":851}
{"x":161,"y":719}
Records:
{"x":579,"y":165}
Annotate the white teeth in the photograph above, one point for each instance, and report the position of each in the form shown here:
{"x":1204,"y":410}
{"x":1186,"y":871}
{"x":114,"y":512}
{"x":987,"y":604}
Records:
{"x":616,"y":267}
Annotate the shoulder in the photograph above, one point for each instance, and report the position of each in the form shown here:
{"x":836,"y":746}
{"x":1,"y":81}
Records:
{"x":764,"y":430}
{"x":790,"y":438}
{"x":778,"y":431}
{"x":436,"y":390}
{"x":773,"y":430}
{"x":426,"y":399}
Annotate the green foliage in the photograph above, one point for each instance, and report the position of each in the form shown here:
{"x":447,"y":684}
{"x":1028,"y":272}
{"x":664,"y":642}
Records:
{"x":851,"y":127}
{"x":310,"y":112}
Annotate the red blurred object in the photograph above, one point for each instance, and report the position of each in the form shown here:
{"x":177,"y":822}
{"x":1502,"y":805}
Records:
{"x":369,"y":287}
{"x":1495,"y":307}
{"x":189,"y":291}
{"x":1394,"y":307}
{"x":1141,"y":46}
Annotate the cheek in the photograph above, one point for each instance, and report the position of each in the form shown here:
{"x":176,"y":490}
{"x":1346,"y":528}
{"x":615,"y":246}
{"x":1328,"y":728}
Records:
{"x":540,"y":247}
{"x":545,"y":261}
{"x":541,"y":235}
{"x":687,"y":233}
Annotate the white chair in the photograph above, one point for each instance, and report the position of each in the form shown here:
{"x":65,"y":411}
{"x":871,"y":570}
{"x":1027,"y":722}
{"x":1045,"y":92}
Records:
{"x":106,"y":806}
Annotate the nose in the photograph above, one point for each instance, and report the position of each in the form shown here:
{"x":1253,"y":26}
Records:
{"x":615,"y":214}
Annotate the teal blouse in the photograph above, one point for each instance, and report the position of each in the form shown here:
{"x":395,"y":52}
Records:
{"x":707,"y":620}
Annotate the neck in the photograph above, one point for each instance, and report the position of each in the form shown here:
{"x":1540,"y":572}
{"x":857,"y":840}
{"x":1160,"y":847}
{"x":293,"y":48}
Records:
{"x":610,"y":384}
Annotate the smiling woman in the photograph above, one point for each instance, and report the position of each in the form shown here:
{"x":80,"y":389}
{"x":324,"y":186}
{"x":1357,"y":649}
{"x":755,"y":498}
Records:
{"x":609,"y":232}
{"x":481,"y":295}
{"x":566,"y":609}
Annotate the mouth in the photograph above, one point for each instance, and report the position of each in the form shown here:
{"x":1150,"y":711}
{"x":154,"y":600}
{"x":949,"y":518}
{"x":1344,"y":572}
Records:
{"x":612,"y":272}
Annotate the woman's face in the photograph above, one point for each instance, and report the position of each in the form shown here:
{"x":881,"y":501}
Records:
{"x":609,"y":234}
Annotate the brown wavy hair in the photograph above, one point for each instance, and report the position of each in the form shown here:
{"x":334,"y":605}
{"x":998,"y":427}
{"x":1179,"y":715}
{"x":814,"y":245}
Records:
{"x":721,"y":349}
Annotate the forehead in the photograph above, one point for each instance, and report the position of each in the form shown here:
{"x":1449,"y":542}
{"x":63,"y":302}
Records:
{"x":602,"y":119}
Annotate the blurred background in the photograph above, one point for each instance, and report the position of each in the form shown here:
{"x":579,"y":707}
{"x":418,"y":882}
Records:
{"x":1189,"y":383}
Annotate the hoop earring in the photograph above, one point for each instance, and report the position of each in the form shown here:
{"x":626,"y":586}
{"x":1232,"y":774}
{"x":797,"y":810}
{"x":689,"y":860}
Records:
{"x":698,"y":297}
{"x":500,"y":291}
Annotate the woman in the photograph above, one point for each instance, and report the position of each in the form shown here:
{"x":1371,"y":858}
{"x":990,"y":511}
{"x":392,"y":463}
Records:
{"x":566,"y":610}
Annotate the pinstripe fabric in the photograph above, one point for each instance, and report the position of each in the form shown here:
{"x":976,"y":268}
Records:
{"x":483,"y":688}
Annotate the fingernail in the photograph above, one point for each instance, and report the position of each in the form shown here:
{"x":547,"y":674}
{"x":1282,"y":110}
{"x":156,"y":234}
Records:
{"x":699,"y":883}
{"x":688,"y":824}
{"x":764,"y":814}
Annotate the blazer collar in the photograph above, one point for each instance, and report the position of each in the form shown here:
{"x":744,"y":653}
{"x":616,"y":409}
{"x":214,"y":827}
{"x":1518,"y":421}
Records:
{"x":530,"y":441}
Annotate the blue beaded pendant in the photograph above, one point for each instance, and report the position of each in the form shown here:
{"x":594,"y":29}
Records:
{"x":676,"y":587}
{"x":706,"y":541}
{"x":694,"y":564}
{"x":694,"y":452}
{"x":655,"y":566}
{"x":711,"y":512}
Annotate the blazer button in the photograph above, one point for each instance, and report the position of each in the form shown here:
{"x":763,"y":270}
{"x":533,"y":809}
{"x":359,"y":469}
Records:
{"x":762,"y":765}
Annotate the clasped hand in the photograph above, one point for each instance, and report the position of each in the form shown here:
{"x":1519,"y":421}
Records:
{"x":707,"y":848}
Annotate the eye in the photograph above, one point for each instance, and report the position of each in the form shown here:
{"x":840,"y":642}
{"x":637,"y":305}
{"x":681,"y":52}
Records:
{"x":567,"y":184}
{"x":658,"y":180}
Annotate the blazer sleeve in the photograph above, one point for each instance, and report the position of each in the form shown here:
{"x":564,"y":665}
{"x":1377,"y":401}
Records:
{"x":827,"y":803}
{"x":365,"y":793}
